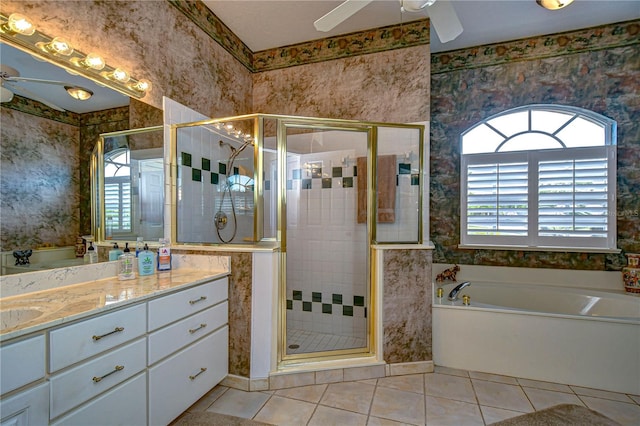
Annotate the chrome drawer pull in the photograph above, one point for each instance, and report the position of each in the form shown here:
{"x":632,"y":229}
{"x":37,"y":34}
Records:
{"x":202,"y":370}
{"x":198,"y":300}
{"x":117,"y":330}
{"x":193,"y":330}
{"x":118,"y":368}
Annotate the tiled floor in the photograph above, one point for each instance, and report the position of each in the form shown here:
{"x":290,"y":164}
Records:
{"x":311,"y":341}
{"x":445,"y":397}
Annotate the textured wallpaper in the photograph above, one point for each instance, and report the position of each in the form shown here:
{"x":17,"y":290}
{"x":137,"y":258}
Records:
{"x":601,"y":79}
{"x":39,"y":198}
{"x":390,"y":86}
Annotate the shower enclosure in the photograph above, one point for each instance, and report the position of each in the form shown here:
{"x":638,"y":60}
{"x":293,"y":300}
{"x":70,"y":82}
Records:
{"x":309,"y":187}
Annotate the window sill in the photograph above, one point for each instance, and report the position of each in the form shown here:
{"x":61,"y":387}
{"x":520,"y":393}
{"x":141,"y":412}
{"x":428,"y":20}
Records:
{"x":540,"y":248}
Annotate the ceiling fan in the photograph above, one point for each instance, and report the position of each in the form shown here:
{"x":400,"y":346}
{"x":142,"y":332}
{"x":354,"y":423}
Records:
{"x":9,"y":77}
{"x":441,"y":12}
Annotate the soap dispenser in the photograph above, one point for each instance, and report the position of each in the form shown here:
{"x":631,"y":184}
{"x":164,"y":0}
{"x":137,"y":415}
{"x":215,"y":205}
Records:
{"x":146,"y":262}
{"x":91,"y":256}
{"x":115,"y":252}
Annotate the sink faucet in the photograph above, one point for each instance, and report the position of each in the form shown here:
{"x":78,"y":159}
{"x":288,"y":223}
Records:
{"x":453,"y":295}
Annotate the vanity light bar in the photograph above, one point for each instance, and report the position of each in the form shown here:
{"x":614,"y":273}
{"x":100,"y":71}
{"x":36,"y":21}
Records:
{"x":61,"y":52}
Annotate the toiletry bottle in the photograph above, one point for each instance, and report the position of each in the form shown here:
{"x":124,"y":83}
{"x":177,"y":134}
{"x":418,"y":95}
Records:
{"x":91,"y":256}
{"x":139,"y":245}
{"x":164,"y":256}
{"x":115,"y":252}
{"x":126,"y":248}
{"x":146,"y":262}
{"x":125,"y":266}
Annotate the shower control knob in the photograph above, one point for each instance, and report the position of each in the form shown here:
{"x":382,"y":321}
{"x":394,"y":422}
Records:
{"x":220,"y":220}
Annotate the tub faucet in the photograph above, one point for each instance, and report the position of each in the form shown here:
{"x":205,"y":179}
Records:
{"x":453,"y":295}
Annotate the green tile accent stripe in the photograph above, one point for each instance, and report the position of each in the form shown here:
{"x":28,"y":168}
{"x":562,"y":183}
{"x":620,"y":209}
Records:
{"x":375,"y":40}
{"x":327,"y":308}
{"x":547,"y":46}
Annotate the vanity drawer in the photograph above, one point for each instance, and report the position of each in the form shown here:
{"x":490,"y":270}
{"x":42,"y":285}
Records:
{"x":167,"y":309}
{"x":21,"y":363}
{"x":94,"y":377}
{"x":176,"y":336}
{"x":76,"y":342}
{"x":123,"y":405}
{"x":194,"y":371}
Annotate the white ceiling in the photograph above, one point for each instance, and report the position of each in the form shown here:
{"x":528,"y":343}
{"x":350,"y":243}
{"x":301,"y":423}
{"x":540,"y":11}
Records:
{"x":265,"y":24}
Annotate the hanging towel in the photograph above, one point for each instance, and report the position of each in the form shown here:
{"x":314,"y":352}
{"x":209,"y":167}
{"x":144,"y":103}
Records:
{"x":386,"y":178}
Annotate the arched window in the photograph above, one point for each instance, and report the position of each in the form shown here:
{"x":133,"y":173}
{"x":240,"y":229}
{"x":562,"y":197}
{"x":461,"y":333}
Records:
{"x":540,"y":177}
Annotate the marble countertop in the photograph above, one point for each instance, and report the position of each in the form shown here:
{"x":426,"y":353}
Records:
{"x":31,"y":312}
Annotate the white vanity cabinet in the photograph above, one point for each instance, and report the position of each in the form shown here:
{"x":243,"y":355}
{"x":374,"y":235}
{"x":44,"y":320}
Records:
{"x":23,"y":363}
{"x":143,"y":364}
{"x":188,"y":348}
{"x":89,"y":358}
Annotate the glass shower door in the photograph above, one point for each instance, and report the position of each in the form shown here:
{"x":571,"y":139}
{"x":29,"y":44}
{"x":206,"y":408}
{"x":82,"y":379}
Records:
{"x":327,"y":265}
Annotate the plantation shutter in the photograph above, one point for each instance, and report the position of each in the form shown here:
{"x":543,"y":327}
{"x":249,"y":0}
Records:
{"x":117,"y":203}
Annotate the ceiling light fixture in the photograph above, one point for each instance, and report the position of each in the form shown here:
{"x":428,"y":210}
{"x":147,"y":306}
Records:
{"x":554,"y":4}
{"x":19,"y":32}
{"x":79,"y":93}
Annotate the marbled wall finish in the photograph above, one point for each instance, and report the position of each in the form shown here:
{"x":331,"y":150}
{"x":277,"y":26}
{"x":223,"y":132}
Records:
{"x":152,"y":40}
{"x":240,"y":283}
{"x":407,"y":306}
{"x":390,"y":86}
{"x":39,"y":181}
{"x":593,"y":74}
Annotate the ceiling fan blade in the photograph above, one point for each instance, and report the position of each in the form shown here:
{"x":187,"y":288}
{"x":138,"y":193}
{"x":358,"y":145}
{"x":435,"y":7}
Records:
{"x":445,"y":20}
{"x":29,"y":94}
{"x":6,"y":95}
{"x":339,"y":14}
{"x":38,"y":80}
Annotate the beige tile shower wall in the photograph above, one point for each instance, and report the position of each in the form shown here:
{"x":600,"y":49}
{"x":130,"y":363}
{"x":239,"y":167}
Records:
{"x":390,"y":86}
{"x":153,"y":40}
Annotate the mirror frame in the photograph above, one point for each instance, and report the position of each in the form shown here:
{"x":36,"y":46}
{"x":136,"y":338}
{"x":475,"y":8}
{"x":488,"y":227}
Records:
{"x":97,"y":181}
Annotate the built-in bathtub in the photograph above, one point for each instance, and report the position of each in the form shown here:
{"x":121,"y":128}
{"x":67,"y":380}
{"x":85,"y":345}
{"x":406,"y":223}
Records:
{"x":578,"y":336}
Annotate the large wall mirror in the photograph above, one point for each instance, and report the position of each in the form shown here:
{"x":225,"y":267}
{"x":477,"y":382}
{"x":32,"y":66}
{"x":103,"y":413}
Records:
{"x":46,"y":143}
{"x":127,"y":184}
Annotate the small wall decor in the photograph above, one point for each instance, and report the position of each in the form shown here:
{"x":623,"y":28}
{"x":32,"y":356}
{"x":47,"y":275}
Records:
{"x":448,"y":274}
{"x":631,"y":273}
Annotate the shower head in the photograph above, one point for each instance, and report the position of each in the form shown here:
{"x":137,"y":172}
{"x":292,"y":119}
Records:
{"x":233,"y":150}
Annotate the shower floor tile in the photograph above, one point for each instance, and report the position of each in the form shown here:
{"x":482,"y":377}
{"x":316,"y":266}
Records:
{"x":312,"y":341}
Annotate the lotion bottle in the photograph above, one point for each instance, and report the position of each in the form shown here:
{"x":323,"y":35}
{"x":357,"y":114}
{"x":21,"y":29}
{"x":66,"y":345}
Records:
{"x":91,"y":256}
{"x":146,"y":262}
{"x":164,"y":256}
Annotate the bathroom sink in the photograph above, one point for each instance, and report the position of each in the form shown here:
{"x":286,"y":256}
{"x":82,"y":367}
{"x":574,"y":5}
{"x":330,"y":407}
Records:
{"x":12,"y":317}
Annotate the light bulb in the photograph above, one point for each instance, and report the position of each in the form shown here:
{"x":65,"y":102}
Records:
{"x":120,"y":75}
{"x":20,"y":24}
{"x":58,"y":46}
{"x":94,"y":61}
{"x":142,"y":85}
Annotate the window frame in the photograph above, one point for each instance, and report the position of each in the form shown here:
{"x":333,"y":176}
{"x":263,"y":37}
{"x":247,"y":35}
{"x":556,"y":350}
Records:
{"x":534,"y":241}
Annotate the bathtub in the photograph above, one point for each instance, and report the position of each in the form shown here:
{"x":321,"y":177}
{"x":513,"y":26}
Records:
{"x":584,"y":337}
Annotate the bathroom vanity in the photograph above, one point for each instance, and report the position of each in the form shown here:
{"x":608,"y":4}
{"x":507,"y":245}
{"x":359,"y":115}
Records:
{"x":113,"y":352}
